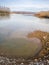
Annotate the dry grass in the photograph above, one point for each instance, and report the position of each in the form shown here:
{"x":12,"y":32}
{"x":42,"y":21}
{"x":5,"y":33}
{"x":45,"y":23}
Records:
{"x":42,"y":14}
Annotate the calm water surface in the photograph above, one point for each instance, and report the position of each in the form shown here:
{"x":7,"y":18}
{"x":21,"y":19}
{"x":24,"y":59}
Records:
{"x":13,"y":32}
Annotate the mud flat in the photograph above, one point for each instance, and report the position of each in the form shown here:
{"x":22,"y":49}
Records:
{"x":44,"y":37}
{"x":37,"y":34}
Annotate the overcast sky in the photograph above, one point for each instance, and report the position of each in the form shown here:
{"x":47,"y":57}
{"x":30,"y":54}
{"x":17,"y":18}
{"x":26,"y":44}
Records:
{"x":26,"y":5}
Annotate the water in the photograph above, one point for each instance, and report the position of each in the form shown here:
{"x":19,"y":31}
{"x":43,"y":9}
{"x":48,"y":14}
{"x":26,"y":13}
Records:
{"x":23,"y":23}
{"x":14,"y":31}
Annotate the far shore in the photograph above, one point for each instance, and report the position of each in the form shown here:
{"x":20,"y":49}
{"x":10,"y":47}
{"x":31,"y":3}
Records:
{"x":42,"y":14}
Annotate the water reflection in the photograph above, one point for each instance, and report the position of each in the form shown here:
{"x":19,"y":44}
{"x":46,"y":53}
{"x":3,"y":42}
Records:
{"x":13,"y":31}
{"x":2,"y":17}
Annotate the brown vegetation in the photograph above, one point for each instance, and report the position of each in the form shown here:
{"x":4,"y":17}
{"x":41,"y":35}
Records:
{"x":44,"y":37}
{"x":38,"y":34}
{"x":4,"y":11}
{"x":42,"y":14}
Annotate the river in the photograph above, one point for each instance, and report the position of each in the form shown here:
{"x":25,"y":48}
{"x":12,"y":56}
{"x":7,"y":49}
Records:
{"x":13,"y":34}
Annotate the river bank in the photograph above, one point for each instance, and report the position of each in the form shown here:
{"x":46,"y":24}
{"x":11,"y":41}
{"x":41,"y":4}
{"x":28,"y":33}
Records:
{"x":44,"y":37}
{"x":42,"y":14}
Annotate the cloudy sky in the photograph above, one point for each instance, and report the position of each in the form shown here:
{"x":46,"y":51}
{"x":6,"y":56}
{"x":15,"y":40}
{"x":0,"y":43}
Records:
{"x":26,"y":5}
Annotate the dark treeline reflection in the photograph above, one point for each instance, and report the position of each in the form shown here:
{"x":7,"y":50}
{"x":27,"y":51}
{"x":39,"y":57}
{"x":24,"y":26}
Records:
{"x":7,"y":16}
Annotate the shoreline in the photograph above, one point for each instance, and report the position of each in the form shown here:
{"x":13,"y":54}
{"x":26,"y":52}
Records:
{"x":44,"y":37}
{"x":42,"y":14}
